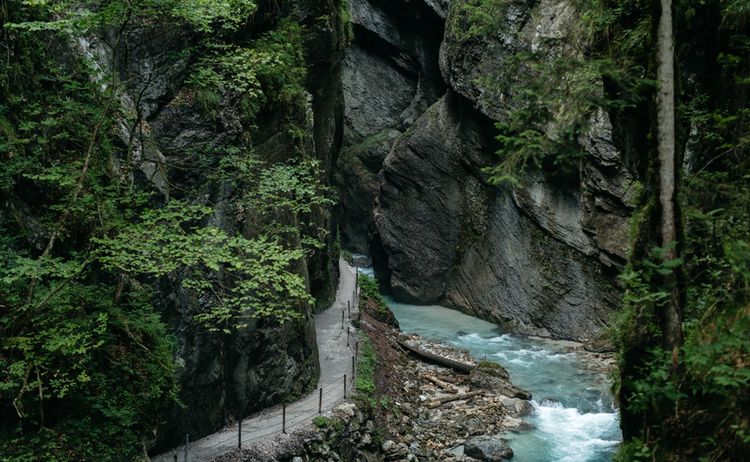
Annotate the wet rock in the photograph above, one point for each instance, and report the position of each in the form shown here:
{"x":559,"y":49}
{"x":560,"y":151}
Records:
{"x":514,"y":424}
{"x":421,"y":203}
{"x":390,"y":77}
{"x":494,"y":377}
{"x":348,"y":409}
{"x":600,"y":344}
{"x":488,"y":449}
{"x":516,"y":407}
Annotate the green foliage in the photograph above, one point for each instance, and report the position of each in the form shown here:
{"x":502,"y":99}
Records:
{"x":321,"y":421}
{"x":86,"y":364}
{"x":345,"y":21}
{"x":473,"y":19}
{"x":347,"y":256}
{"x":563,"y":84}
{"x":268,"y":72}
{"x":710,"y":393}
{"x":365,"y":388}
{"x":209,"y":15}
{"x":280,"y":191}
{"x":553,"y":110}
{"x":735,"y":14}
{"x":365,"y":378}
{"x":371,"y":300}
{"x":257,"y":277}
{"x":697,"y":411}
{"x":70,"y":16}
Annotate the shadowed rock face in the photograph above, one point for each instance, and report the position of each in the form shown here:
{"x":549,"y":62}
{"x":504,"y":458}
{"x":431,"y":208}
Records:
{"x":390,"y":77}
{"x":426,"y":180}
{"x":541,"y":258}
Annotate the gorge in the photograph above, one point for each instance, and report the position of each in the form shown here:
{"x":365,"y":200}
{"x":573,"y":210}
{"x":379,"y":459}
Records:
{"x":179,"y":179}
{"x":540,"y":259}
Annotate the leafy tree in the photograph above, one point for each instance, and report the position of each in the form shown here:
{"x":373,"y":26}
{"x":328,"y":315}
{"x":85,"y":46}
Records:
{"x":86,"y":364}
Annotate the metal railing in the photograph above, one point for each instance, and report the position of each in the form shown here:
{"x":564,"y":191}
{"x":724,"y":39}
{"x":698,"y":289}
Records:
{"x":270,"y":421}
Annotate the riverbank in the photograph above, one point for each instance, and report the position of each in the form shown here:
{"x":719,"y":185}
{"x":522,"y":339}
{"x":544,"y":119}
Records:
{"x":414,"y":399}
{"x":574,"y":416}
{"x":436,"y":411}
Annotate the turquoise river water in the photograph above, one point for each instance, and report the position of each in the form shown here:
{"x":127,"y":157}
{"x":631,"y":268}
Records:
{"x":574,"y":418}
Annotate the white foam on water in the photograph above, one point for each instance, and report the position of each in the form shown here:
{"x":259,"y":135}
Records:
{"x":541,"y":353}
{"x":520,"y":362}
{"x":576,"y":436}
{"x":367,"y":271}
{"x":476,"y":339}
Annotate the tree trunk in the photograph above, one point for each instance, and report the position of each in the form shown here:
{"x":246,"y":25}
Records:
{"x":661,"y":227}
{"x":668,"y":226}
{"x":457,"y":366}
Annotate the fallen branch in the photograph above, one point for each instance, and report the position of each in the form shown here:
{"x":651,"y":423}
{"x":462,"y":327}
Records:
{"x":450,"y":379}
{"x":449,"y":399}
{"x":445,"y":386}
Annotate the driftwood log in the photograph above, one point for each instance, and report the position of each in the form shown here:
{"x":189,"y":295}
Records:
{"x":449,"y":378}
{"x":448,"y":399}
{"x":458,"y":366}
{"x":444,"y":385}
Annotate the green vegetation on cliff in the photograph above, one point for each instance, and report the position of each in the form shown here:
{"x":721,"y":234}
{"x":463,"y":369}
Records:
{"x":684,"y":382}
{"x":88,"y":240}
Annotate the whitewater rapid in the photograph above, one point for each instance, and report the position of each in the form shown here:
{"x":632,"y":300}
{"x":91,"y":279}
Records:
{"x":574,"y":417}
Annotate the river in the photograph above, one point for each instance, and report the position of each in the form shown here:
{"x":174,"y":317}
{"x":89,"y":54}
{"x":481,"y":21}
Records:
{"x":574,"y":418}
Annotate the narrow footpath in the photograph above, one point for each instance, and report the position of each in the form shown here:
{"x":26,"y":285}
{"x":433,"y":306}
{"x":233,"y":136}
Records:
{"x":335,"y":352}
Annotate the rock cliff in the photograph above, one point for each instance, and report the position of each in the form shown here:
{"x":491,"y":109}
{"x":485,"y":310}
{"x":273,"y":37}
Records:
{"x":540,"y":258}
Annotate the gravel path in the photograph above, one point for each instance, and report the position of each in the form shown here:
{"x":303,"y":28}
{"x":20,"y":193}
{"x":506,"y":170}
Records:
{"x":335,"y":357}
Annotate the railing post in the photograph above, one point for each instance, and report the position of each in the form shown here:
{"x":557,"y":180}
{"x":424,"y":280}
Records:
{"x":353,"y":367}
{"x":356,"y":348}
{"x":175,"y":457}
{"x":342,"y":319}
{"x":283,"y":418}
{"x":347,"y":336}
{"x":320,"y":401}
{"x":239,"y":434}
{"x":349,"y":308}
{"x":344,"y":385}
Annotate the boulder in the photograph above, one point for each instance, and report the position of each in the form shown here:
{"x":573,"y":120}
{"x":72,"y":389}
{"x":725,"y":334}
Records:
{"x":494,"y":377}
{"x":488,"y":449}
{"x":516,"y":407}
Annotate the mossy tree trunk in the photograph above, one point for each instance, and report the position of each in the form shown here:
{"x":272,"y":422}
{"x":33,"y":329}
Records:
{"x":671,"y":316}
{"x":655,"y":324}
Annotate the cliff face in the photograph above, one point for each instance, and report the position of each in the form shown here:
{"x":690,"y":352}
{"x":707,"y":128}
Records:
{"x":540,"y":258}
{"x":224,"y":376}
{"x":390,"y":77}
